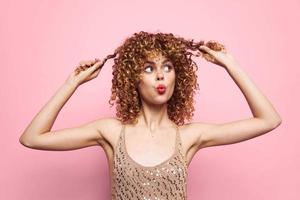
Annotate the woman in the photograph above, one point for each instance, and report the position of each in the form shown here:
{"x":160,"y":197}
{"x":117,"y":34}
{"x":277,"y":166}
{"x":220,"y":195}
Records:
{"x":149,"y":146}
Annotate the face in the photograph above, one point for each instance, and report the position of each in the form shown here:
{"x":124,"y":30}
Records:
{"x":156,"y":70}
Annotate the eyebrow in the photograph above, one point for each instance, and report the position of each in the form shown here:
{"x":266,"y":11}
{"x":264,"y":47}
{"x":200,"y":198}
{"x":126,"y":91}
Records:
{"x":167,"y":60}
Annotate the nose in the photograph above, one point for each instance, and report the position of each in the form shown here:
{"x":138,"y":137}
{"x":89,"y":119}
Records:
{"x":159,"y":76}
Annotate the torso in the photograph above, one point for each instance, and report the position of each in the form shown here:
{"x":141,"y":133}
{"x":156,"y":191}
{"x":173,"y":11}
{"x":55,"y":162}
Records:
{"x":144,"y":149}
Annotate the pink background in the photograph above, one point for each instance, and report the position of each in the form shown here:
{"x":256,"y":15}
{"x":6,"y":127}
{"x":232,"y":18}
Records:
{"x":42,"y":42}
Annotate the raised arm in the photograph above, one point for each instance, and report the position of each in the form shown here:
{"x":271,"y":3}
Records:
{"x":265,"y":117}
{"x":38,"y":134}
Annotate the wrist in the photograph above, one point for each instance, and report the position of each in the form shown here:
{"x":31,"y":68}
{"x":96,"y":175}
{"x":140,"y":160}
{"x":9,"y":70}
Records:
{"x":232,"y":65}
{"x":71,"y":84}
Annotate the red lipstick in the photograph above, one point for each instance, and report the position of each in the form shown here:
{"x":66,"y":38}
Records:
{"x":161,"y":88}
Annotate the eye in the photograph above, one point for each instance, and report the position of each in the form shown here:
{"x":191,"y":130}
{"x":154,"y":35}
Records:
{"x":169,"y":66}
{"x":147,"y":67}
{"x":165,"y":66}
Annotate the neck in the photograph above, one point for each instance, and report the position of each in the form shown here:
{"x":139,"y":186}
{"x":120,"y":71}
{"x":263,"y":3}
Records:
{"x":154,"y":117}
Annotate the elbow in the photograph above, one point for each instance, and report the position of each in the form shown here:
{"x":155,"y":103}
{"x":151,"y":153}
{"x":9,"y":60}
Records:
{"x":24,"y":142}
{"x":275,"y":123}
{"x":278,"y":121}
{"x":21,"y":141}
{"x":271,"y":124}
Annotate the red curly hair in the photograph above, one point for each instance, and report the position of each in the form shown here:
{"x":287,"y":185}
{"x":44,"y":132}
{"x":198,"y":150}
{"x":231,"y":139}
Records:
{"x":127,"y":69}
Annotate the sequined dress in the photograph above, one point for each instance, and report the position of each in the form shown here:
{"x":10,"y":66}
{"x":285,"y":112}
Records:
{"x":164,"y":181}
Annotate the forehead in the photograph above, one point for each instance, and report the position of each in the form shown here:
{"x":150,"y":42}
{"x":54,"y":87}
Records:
{"x":155,"y":56}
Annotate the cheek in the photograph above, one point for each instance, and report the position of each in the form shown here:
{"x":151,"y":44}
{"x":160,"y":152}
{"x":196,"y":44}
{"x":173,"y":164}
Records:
{"x":142,"y":85}
{"x":145,"y":86}
{"x":173,"y":78}
{"x":145,"y":81}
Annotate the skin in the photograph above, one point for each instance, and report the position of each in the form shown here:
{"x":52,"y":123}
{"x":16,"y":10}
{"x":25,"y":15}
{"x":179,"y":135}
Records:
{"x":196,"y":135}
{"x":154,"y":129}
{"x":154,"y":105}
{"x":141,"y":146}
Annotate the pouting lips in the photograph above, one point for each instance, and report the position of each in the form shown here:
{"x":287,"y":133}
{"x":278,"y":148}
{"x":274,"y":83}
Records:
{"x":161,"y":89}
{"x":160,"y":86}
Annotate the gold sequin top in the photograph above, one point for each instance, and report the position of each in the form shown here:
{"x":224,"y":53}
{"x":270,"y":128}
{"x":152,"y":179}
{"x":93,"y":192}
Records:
{"x":164,"y":181}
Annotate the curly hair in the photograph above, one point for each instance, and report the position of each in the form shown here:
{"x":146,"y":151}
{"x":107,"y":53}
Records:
{"x":131,"y":55}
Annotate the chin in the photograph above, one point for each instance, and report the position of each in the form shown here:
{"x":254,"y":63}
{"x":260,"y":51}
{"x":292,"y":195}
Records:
{"x":162,"y":99}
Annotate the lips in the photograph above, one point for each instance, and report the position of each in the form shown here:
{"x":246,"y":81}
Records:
{"x":161,"y":88}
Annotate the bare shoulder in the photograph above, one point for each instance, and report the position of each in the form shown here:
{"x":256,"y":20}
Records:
{"x":192,"y":138}
{"x":108,"y":127}
{"x":194,"y":133}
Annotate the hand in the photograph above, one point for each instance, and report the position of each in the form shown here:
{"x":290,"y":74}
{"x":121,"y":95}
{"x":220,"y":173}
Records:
{"x":85,"y":71}
{"x":221,"y":58}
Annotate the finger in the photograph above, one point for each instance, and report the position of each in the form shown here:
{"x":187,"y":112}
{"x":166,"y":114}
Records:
{"x":205,"y":48}
{"x":85,"y":62}
{"x":208,"y":50}
{"x":96,"y":65}
{"x":223,"y":51}
{"x":92,"y":62}
{"x":81,"y":67}
{"x":96,"y":72}
{"x":95,"y":61}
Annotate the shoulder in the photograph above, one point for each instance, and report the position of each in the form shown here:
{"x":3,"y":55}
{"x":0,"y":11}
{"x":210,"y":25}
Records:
{"x":193,"y":132}
{"x":108,"y":128}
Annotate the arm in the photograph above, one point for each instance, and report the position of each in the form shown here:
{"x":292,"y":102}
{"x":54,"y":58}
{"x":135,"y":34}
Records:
{"x":38,"y":135}
{"x":265,"y":118}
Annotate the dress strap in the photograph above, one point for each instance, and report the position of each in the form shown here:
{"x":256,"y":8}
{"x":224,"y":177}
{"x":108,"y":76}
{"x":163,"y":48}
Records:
{"x":121,"y":135}
{"x":178,"y":139}
{"x":122,"y":131}
{"x":177,"y":136}
{"x":123,"y":126}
